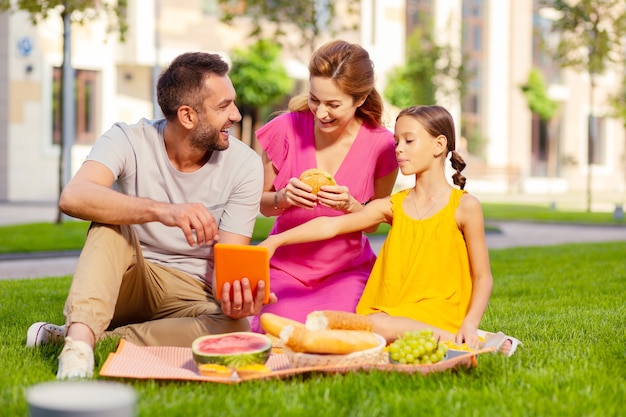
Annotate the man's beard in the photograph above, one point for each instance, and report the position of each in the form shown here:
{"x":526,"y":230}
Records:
{"x":207,"y":138}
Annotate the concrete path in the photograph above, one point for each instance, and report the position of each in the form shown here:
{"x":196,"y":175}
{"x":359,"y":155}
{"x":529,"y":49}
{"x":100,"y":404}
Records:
{"x":513,"y":234}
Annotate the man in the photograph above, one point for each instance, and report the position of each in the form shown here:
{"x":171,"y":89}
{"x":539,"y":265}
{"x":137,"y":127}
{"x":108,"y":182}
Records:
{"x":182,"y":183}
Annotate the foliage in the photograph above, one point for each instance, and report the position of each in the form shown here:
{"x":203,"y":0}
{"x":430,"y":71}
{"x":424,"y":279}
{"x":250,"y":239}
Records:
{"x":476,"y":144}
{"x":82,"y":11}
{"x":535,"y":92}
{"x":259,"y":75}
{"x":309,"y":18}
{"x":564,"y":302}
{"x":591,"y":37}
{"x":618,"y":102}
{"x":427,"y":71}
{"x":413,"y":83}
{"x":261,"y":80}
{"x":591,"y":33}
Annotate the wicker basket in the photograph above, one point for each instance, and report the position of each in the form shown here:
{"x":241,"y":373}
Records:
{"x":374,"y":355}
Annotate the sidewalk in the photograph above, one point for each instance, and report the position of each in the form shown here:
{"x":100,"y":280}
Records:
{"x":512,"y":234}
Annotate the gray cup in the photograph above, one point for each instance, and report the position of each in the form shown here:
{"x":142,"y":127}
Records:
{"x":89,"y":398}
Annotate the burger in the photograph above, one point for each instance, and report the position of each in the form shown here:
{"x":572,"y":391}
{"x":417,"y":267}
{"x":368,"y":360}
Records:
{"x":316,"y":178}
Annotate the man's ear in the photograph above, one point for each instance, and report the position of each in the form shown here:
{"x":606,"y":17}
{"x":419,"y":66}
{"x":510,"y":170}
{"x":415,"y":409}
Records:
{"x":187,"y":117}
{"x":441,"y":145}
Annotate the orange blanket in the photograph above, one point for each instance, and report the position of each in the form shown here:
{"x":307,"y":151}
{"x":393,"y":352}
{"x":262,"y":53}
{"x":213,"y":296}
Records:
{"x":176,"y":363}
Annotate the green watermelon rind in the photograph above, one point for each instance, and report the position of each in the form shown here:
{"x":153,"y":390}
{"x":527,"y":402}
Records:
{"x":233,"y":360}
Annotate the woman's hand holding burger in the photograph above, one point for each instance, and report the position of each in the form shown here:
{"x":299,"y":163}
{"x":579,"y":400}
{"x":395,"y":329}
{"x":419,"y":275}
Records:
{"x":307,"y":191}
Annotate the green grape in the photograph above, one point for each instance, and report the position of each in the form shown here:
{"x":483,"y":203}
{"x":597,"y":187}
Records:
{"x":417,"y":347}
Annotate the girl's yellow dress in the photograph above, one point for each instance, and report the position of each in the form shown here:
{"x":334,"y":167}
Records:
{"x":422,"y":271}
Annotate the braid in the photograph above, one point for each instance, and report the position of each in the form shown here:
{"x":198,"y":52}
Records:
{"x":458,"y":164}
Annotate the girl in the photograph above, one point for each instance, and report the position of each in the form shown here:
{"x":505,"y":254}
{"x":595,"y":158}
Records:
{"x":433,"y":270}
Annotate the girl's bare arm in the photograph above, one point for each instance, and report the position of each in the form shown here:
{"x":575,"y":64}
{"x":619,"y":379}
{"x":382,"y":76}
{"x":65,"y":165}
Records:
{"x":470,"y":219}
{"x":322,"y":228}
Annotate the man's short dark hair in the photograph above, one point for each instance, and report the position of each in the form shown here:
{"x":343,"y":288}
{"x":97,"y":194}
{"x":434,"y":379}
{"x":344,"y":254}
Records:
{"x":182,"y":83}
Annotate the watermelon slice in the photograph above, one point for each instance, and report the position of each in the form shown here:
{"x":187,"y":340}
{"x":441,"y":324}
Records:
{"x":233,"y":350}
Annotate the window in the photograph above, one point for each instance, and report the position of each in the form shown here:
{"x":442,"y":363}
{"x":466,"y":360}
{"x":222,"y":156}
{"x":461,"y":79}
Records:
{"x":86,"y":99}
{"x":596,"y":140}
{"x":477,"y":38}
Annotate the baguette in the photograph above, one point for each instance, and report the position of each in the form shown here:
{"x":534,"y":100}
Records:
{"x":340,"y":320}
{"x":337,"y":342}
{"x":273,"y":323}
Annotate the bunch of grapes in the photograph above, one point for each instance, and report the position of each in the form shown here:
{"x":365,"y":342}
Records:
{"x":418,"y":347}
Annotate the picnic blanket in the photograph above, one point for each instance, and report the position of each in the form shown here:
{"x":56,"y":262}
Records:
{"x":176,"y":363}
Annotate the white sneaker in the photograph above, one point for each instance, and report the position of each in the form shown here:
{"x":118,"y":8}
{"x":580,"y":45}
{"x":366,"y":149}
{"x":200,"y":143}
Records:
{"x":42,"y":332}
{"x":76,"y":360}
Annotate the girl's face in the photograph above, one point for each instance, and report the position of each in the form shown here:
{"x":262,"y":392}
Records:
{"x":415,"y":147}
{"x":333,"y":109}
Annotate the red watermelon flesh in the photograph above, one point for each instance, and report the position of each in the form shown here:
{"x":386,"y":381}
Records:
{"x":231,"y":344}
{"x":232,"y":349}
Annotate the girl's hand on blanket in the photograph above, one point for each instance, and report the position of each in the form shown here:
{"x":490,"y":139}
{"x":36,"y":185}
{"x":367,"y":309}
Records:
{"x":467,"y":334}
{"x":244,"y":303}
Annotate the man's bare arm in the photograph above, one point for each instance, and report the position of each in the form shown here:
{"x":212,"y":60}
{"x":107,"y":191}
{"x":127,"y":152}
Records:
{"x":89,"y":196}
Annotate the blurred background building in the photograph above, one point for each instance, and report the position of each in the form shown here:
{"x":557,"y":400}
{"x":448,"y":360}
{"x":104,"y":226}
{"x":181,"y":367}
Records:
{"x":508,"y":148}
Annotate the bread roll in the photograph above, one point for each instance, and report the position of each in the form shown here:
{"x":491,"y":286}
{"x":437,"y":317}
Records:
{"x":341,"y":320}
{"x":337,"y":342}
{"x":273,"y":323}
{"x":316,"y":178}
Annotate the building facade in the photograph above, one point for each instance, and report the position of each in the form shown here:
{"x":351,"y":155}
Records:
{"x":506,"y":147}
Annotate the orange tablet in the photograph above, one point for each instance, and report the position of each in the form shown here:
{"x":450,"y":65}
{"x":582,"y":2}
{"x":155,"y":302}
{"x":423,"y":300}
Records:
{"x":234,"y":262}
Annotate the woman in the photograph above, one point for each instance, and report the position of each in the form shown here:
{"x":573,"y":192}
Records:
{"x":338,"y":128}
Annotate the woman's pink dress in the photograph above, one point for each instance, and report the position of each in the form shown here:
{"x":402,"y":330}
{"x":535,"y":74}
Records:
{"x":329,"y":274}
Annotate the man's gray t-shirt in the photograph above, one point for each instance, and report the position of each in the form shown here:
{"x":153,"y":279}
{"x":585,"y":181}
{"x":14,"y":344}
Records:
{"x":229,"y":185}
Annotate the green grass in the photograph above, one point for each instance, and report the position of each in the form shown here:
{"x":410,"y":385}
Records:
{"x":70,"y":235}
{"x":35,"y":237}
{"x":566,"y":303}
{"x":543,"y":213}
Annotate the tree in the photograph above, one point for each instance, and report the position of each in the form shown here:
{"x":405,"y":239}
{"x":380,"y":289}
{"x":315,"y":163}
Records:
{"x":591,"y":39}
{"x":310,"y":18}
{"x":427,"y":71}
{"x":81,"y":12}
{"x":539,"y":103}
{"x":259,"y":78}
{"x":618,"y":102}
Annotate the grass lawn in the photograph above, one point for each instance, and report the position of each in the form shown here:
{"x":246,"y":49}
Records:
{"x":70,"y":235}
{"x":566,"y":303}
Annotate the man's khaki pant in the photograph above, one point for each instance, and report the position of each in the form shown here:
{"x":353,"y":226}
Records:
{"x":114,"y":288}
